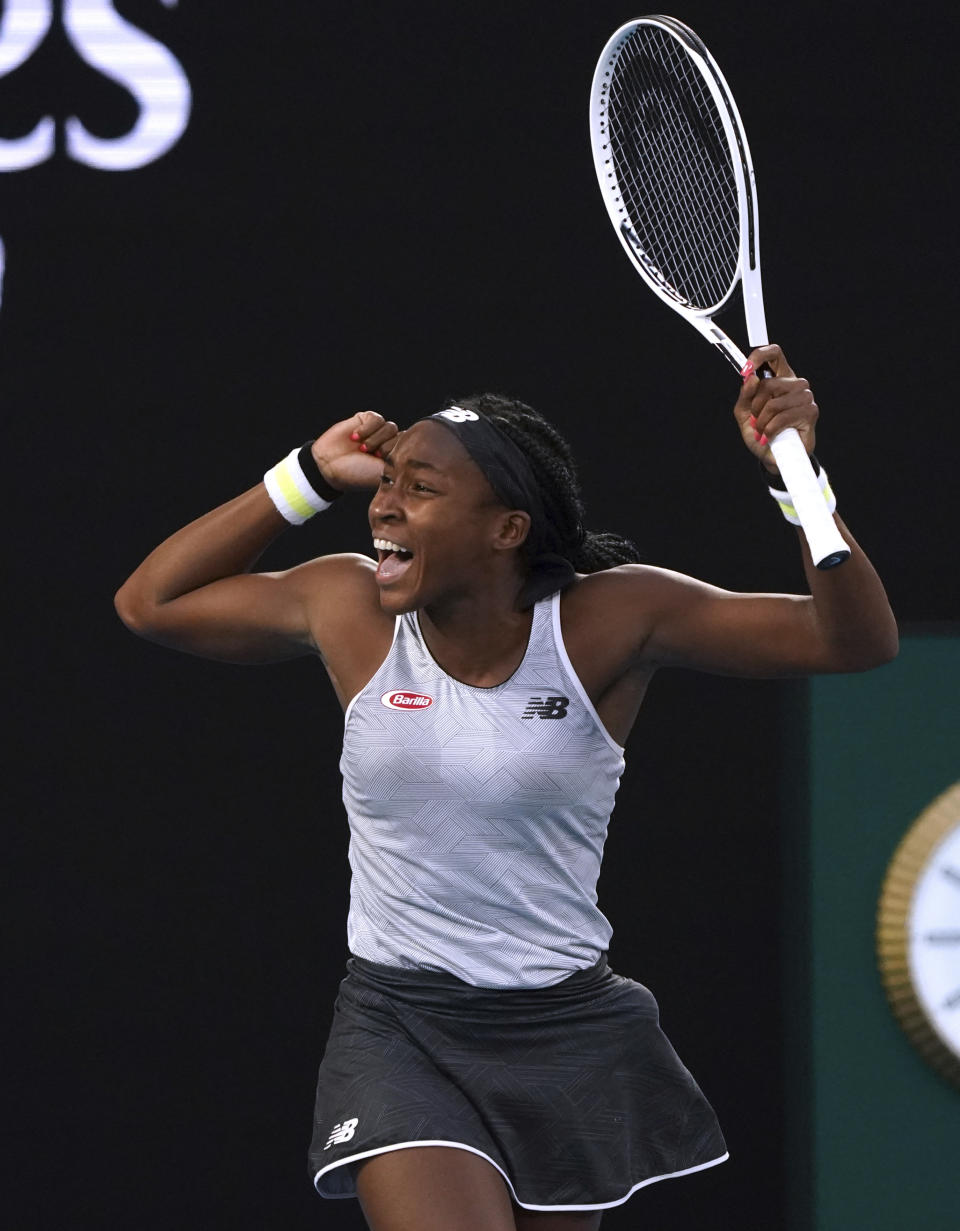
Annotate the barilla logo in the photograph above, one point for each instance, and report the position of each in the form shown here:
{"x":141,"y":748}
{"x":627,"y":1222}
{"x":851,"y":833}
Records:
{"x":406,"y":700}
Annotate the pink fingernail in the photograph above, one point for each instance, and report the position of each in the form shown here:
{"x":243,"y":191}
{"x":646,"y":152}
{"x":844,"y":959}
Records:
{"x":354,"y":435}
{"x":746,"y":371}
{"x":363,"y":448}
{"x":753,"y":420}
{"x":763,"y":439}
{"x":756,"y":435}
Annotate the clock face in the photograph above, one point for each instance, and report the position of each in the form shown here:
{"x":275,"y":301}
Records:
{"x":918,"y":933}
{"x":934,"y":925}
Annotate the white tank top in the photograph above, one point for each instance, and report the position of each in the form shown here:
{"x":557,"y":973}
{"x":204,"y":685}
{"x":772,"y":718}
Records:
{"x":478,"y":815}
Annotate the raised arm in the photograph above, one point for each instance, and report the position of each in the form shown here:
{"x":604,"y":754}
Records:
{"x":195,"y":592}
{"x":843,"y":624}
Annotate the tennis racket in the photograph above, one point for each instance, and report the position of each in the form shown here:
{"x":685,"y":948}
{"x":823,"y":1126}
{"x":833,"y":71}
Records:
{"x":678,"y":183}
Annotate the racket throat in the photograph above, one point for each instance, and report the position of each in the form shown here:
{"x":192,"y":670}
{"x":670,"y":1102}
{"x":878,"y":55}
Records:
{"x":732,"y":353}
{"x":752,"y":293}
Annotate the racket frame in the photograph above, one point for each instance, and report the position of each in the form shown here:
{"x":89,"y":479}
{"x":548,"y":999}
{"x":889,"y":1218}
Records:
{"x":827,"y":546}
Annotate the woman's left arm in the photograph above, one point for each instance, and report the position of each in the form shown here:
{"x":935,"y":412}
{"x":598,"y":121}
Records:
{"x":844,"y":624}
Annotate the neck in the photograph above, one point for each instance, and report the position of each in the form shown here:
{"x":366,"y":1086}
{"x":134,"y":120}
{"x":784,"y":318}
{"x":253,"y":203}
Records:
{"x":479,"y":639}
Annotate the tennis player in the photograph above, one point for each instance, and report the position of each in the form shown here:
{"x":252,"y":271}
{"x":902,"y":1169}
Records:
{"x":486,"y":1070}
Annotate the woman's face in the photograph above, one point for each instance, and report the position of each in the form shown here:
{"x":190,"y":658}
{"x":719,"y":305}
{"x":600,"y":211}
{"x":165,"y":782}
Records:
{"x":436,"y":506}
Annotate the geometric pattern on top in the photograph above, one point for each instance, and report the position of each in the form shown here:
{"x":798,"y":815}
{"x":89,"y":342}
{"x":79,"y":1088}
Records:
{"x":478,"y":815}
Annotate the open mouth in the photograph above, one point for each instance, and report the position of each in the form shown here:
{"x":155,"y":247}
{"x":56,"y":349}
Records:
{"x":394,"y":559}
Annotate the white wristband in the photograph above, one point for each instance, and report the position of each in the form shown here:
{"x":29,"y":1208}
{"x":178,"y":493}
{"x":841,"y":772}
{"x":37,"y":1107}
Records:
{"x":291,"y":492}
{"x":786,"y":504}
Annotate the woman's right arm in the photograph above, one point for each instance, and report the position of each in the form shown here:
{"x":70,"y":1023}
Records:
{"x":195,"y":592}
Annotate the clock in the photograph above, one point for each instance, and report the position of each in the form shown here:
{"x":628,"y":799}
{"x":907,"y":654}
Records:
{"x":918,"y":933}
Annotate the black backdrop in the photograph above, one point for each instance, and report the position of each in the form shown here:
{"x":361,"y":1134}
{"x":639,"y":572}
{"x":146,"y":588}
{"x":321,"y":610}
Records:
{"x":380,"y":205}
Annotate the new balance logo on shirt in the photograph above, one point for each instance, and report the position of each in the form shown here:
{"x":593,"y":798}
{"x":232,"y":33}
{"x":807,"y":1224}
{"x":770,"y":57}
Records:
{"x":341,"y":1133}
{"x":546,"y":707}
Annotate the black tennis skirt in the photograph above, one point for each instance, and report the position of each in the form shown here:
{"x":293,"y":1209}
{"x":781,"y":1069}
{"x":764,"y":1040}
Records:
{"x":572,"y":1092}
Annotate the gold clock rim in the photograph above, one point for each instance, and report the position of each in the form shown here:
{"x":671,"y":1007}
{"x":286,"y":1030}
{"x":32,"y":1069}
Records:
{"x":892,"y":939}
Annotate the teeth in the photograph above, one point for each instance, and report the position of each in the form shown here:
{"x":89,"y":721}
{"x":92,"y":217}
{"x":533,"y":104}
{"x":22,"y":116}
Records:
{"x":386,"y":545}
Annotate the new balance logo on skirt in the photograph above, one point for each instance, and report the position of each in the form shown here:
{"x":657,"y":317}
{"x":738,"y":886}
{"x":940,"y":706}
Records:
{"x":546,"y":707}
{"x":341,"y":1132}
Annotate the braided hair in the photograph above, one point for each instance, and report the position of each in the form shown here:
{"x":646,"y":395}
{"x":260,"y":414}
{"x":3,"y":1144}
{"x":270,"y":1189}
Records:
{"x":552,"y":462}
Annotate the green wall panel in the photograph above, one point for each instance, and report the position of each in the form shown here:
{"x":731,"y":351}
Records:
{"x":883,"y":1149}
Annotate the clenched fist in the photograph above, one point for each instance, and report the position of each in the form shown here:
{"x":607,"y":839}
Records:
{"x":765,"y":407}
{"x":349,"y":454}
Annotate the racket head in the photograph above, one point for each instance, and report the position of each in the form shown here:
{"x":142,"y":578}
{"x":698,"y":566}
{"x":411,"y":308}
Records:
{"x":675,"y":171}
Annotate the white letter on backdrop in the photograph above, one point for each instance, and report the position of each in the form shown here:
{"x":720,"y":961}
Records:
{"x":23,"y":27}
{"x":141,"y":65}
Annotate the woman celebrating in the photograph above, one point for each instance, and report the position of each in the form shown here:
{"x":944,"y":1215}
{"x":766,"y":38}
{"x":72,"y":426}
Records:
{"x":486,"y":1070}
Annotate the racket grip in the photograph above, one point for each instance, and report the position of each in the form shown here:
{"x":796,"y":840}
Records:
{"x":827,"y":546}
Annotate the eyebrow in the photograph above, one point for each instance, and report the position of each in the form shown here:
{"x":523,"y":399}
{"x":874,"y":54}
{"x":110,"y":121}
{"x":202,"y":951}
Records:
{"x":415,"y":464}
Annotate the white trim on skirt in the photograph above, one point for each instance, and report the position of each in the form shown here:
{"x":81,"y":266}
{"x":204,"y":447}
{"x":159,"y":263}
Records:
{"x":457,"y":1145}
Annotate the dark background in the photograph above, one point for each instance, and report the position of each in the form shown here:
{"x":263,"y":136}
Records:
{"x":380,"y":206}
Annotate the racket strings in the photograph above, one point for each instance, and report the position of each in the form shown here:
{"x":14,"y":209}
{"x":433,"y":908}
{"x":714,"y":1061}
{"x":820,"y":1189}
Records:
{"x":671,"y":169}
{"x":698,"y":193}
{"x":674,"y":170}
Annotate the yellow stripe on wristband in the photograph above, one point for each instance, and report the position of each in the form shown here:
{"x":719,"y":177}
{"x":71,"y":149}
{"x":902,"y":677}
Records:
{"x":290,"y":490}
{"x":785,"y":504}
{"x":291,"y":493}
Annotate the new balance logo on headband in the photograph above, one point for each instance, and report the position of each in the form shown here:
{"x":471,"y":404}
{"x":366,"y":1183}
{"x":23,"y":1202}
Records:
{"x":456,"y":414}
{"x":549,"y":707}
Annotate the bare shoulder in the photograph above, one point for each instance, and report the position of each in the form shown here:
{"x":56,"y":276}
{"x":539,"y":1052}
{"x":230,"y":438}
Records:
{"x":339,"y":593}
{"x":626,"y":592}
{"x":604,"y":629}
{"x":349,"y":569}
{"x":349,"y":629}
{"x":613,"y":614}
{"x":602,"y":619}
{"x":654,"y":617}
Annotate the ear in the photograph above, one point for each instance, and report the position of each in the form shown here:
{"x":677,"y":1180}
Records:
{"x":511,"y":530}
